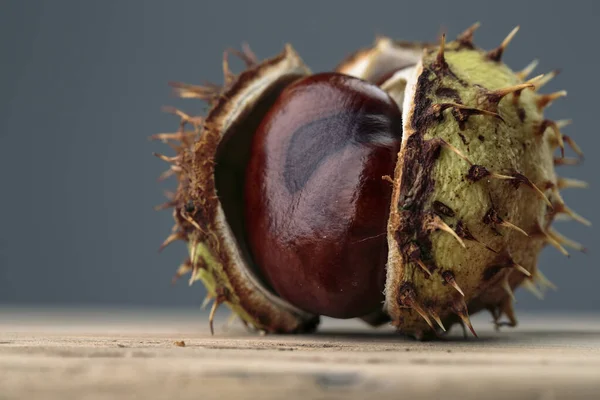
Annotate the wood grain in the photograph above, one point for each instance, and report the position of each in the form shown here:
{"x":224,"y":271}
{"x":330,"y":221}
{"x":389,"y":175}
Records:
{"x":127,"y":354}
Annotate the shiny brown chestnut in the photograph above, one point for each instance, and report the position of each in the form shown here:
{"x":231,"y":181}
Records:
{"x":316,"y":206}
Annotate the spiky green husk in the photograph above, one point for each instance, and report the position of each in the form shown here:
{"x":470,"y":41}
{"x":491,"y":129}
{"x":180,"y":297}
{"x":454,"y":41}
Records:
{"x":216,"y":256}
{"x":467,"y":218}
{"x":470,"y":211}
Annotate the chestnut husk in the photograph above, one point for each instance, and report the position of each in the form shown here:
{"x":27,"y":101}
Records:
{"x":428,"y":290}
{"x":210,"y":159}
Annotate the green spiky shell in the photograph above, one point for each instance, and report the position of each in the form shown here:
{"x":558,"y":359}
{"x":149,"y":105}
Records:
{"x":458,"y":120}
{"x":471,"y":168}
{"x":216,"y":256}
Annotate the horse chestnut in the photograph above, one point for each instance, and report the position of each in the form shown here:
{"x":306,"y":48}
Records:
{"x":282,"y":204}
{"x":316,"y":204}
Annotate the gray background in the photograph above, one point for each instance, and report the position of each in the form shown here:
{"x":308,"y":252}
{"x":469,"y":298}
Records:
{"x":82,"y":84}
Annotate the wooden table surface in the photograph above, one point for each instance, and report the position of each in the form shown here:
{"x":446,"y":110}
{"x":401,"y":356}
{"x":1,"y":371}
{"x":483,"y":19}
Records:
{"x":127,"y":354}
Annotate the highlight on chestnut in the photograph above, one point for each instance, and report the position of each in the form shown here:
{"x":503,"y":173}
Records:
{"x":414,"y":184}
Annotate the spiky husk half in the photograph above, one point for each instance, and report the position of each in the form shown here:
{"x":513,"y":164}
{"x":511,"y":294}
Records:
{"x":216,"y":256}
